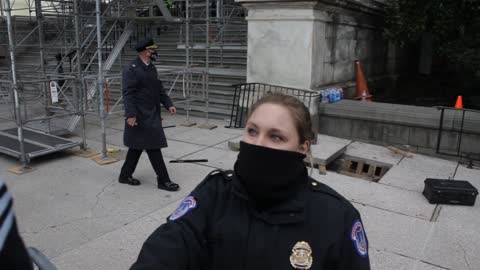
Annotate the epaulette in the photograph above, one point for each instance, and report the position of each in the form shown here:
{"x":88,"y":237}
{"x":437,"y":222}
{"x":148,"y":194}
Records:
{"x":227,"y":175}
{"x":319,"y":187}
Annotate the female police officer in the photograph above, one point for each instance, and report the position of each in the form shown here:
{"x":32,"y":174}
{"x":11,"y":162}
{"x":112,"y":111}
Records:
{"x":267,"y":213}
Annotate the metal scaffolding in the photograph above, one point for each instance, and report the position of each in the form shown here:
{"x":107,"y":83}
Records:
{"x":77,"y":46}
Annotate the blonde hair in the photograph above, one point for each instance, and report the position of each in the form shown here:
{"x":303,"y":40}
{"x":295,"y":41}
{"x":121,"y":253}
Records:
{"x":299,"y":112}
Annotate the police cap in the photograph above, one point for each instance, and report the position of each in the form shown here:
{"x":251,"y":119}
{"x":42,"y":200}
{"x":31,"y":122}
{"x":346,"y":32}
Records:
{"x":145,"y":45}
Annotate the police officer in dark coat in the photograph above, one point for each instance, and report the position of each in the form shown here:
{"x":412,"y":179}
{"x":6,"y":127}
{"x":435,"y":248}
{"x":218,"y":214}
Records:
{"x":267,"y":213}
{"x":142,"y":94}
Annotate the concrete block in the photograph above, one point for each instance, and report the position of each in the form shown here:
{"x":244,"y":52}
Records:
{"x":365,"y":33}
{"x":396,"y":135}
{"x":363,"y":51}
{"x":345,"y":50}
{"x":329,"y":30}
{"x":422,"y":137}
{"x":328,"y":69}
{"x":329,"y":53}
{"x":327,"y":149}
{"x":344,"y":71}
{"x":345,"y":32}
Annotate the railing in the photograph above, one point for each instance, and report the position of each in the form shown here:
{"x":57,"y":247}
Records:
{"x":458,"y":124}
{"x":247,"y":94}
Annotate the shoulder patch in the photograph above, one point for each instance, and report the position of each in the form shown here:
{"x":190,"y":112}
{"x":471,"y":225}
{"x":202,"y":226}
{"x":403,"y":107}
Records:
{"x":185,"y":206}
{"x":359,"y":239}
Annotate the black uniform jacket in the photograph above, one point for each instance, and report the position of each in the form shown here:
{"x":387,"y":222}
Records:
{"x":142,"y":95}
{"x":221,"y":230}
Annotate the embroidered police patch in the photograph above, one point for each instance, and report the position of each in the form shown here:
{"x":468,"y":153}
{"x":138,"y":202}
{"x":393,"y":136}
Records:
{"x":184,"y":207}
{"x":359,"y":239}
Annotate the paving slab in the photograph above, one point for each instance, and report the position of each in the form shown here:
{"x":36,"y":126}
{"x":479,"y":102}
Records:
{"x":236,"y":131}
{"x":410,"y":173}
{"x":217,"y":158}
{"x":454,"y":246}
{"x":383,"y":260}
{"x":203,"y":136}
{"x":115,"y":250}
{"x":381,"y":196}
{"x":471,"y":175}
{"x":173,"y":132}
{"x":327,"y":149}
{"x":372,"y":152}
{"x":178,"y":149}
{"x":225,"y":145}
{"x":393,"y":232}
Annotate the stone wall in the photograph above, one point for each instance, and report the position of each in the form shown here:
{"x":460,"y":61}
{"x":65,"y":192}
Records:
{"x":400,"y":125}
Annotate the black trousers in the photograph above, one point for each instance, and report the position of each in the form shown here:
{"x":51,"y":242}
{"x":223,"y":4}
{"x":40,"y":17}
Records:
{"x":156,"y":159}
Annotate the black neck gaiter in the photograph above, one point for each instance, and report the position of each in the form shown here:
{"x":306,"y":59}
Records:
{"x":269,"y":175}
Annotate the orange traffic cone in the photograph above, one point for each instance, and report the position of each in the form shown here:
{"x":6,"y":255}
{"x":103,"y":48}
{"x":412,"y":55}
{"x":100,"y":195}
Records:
{"x":459,"y":103}
{"x":362,"y":88}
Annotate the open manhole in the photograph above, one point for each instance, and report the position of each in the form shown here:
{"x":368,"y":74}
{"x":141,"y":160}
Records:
{"x":359,"y":167}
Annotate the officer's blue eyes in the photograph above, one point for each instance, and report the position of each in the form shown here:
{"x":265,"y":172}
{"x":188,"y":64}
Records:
{"x":274,"y":137}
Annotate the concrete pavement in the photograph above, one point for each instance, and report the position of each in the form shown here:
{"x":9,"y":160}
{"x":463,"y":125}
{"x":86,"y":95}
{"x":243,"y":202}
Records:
{"x":76,"y":212}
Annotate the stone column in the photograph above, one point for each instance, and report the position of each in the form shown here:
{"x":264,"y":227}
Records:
{"x":309,"y":44}
{"x":286,"y":43}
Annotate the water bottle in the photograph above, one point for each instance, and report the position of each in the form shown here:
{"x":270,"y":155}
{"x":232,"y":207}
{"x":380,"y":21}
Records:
{"x":324,"y":96}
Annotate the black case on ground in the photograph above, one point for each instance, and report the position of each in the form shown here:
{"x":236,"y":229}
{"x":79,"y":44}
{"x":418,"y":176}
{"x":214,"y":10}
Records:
{"x":441,"y":191}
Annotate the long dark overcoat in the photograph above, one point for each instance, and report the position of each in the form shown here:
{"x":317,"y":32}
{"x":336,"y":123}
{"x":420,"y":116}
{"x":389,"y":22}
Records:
{"x":142,"y":94}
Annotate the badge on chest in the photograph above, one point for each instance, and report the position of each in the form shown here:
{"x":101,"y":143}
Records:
{"x":301,"y":257}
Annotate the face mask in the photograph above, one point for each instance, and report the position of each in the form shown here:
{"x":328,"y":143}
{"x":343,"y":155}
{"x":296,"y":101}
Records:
{"x":270,"y":175}
{"x":153,"y":56}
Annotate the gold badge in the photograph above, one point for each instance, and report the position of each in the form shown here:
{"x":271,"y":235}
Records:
{"x":301,"y":257}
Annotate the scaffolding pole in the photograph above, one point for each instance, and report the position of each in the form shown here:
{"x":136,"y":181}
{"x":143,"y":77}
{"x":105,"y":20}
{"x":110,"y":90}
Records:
{"x":187,"y":78}
{"x":18,"y":115}
{"x":41,"y":38}
{"x":206,"y":125}
{"x":100,"y":80}
{"x":79,"y":81}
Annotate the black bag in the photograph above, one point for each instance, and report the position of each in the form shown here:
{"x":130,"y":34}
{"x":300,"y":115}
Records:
{"x":449,"y":192}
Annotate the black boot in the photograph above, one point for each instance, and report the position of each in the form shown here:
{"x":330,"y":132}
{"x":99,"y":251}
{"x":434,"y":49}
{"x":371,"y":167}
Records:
{"x":129,"y":180}
{"x":167,"y":185}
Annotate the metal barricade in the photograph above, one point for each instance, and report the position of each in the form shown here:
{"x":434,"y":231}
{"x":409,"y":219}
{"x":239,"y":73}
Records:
{"x":457,"y":129}
{"x":247,"y":94}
